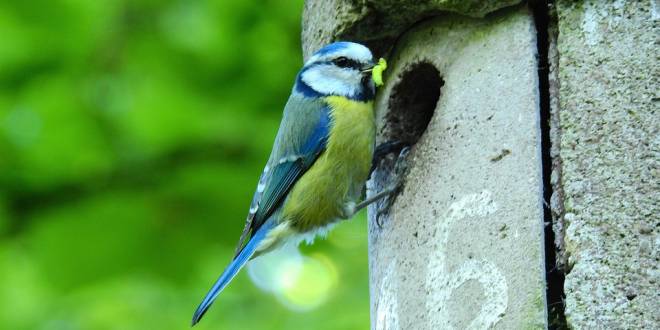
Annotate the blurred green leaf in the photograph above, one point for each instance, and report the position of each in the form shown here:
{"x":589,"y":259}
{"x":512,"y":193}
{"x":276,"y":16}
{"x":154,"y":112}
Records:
{"x":132,"y":134}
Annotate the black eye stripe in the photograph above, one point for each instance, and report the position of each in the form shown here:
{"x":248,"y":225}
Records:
{"x":344,"y":62}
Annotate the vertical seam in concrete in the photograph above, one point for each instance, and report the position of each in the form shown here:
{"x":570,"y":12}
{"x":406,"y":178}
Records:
{"x":554,"y":275}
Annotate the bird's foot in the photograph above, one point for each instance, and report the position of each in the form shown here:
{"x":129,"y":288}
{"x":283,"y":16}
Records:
{"x":396,"y":177}
{"x":391,"y":147}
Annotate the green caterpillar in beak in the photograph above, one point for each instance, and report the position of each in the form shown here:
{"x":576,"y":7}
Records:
{"x":377,"y":72}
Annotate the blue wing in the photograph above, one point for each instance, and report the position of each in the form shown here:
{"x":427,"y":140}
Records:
{"x":289,"y":169}
{"x":300,"y":140}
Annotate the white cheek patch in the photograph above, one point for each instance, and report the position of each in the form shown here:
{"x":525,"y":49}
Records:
{"x":329,"y":79}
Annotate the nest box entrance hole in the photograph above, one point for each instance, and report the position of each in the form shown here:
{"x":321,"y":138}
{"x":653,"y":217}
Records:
{"x":412,"y":102}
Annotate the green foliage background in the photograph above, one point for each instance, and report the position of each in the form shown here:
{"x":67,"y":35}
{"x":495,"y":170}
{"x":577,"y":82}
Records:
{"x":132,"y":134}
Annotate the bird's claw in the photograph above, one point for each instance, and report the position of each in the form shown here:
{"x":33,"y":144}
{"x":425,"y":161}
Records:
{"x":398,"y":175}
{"x":385,"y":149}
{"x":401,"y":165}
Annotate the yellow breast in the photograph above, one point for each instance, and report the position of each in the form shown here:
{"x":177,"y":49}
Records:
{"x":337,"y":177}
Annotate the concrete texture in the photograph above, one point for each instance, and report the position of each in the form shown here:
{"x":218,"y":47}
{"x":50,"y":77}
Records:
{"x":373,"y":21}
{"x":609,"y":150}
{"x":462,"y":245}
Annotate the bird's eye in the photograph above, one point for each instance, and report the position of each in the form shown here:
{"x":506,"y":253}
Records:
{"x":342,"y":62}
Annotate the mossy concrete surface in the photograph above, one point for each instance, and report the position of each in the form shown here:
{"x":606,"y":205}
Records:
{"x":609,"y":147}
{"x":373,"y":21}
{"x":462,"y":245}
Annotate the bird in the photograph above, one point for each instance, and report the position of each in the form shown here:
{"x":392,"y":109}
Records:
{"x":320,"y":160}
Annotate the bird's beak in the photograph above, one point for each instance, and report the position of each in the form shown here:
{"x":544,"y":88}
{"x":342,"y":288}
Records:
{"x":367,"y":68}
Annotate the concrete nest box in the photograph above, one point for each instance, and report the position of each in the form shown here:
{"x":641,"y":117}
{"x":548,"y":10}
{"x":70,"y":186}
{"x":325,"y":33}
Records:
{"x":534,"y":159}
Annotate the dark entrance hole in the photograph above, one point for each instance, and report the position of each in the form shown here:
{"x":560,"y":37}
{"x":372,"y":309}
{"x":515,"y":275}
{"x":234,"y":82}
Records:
{"x":411,"y":106}
{"x":412,"y":103}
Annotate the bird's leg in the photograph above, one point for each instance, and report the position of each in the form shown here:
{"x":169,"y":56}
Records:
{"x":383,"y":193}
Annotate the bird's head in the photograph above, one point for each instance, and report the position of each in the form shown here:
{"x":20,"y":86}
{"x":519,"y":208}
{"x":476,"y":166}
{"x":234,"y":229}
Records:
{"x":342,"y":69}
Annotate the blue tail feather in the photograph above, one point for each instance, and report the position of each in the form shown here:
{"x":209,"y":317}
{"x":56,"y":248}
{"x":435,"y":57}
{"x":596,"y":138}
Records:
{"x":241,"y":259}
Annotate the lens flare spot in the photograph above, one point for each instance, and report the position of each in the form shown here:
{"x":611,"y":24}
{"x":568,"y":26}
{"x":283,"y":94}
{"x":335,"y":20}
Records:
{"x":265,"y":270}
{"x":301,"y":283}
{"x":314,"y":283}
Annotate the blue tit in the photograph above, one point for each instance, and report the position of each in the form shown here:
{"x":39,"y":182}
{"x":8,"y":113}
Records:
{"x":320,"y":160}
